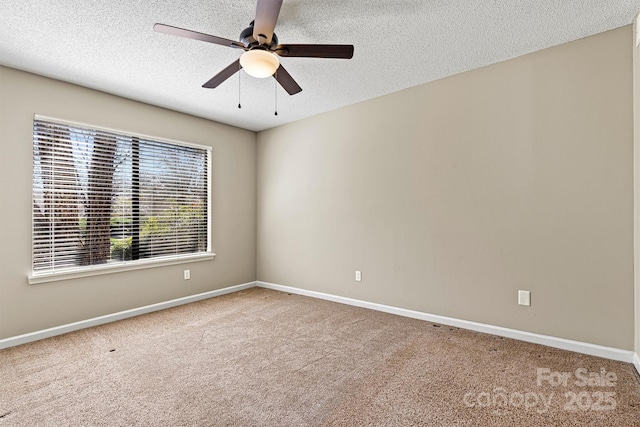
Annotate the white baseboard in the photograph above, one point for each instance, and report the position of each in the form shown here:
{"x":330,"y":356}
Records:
{"x":59,"y":330}
{"x":561,"y":343}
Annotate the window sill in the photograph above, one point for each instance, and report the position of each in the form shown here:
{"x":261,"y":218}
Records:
{"x":96,"y":270}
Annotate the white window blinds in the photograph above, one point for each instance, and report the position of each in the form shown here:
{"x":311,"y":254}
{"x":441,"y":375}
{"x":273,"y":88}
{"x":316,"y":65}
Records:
{"x":105,"y":197}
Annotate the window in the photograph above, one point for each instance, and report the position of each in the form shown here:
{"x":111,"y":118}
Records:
{"x":105,"y":199}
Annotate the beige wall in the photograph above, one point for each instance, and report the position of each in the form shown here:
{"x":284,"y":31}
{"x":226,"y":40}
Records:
{"x":26,"y":308}
{"x":453,"y":195}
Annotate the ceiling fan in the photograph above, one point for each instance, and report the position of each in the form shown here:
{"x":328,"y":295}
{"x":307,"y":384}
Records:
{"x":260,"y":46}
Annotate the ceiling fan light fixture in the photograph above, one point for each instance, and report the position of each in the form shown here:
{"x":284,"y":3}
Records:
{"x":259,"y":63}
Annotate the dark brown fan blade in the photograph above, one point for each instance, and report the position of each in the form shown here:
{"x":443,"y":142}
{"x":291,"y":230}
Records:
{"x":340,"y":51}
{"x":267,"y":12}
{"x":223,"y":75}
{"x":180,"y":32}
{"x":286,"y":81}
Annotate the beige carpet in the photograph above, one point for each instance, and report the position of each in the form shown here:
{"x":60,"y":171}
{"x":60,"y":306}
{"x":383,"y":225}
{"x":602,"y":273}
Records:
{"x":265,"y":358}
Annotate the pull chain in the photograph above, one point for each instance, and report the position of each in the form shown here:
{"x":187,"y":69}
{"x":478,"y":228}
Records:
{"x":276,"y":92}
{"x":239,"y":80}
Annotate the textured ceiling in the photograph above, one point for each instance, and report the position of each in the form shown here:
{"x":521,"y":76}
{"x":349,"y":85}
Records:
{"x":110,"y":46}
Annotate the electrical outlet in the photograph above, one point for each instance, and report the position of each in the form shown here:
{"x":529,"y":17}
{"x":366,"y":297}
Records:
{"x":358,"y":276}
{"x":187,"y":274}
{"x":524,"y":298}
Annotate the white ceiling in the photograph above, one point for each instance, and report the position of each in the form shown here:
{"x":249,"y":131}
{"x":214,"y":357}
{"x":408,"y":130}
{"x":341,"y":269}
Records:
{"x":110,"y":46}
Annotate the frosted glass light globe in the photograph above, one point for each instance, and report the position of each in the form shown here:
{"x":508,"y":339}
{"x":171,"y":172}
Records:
{"x":259,"y":63}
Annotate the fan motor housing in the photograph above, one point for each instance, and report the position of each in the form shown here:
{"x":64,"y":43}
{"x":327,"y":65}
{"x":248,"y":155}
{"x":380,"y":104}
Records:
{"x":246,"y":38}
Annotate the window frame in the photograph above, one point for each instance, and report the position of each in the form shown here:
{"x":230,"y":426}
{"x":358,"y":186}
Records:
{"x":116,"y":266}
